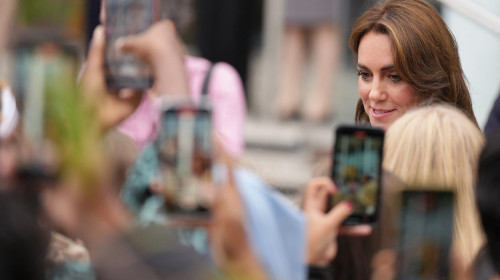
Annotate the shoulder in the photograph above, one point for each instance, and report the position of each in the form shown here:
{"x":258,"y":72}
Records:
{"x":225,"y":72}
{"x":196,"y":64}
{"x":226,"y":81}
{"x":222,"y":71}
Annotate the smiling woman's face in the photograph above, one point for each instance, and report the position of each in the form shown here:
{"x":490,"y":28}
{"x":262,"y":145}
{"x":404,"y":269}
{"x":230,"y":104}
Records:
{"x":385,"y":96}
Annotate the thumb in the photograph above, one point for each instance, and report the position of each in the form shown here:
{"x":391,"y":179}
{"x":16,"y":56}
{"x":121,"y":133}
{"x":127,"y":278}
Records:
{"x":338,"y":214}
{"x":95,"y":59}
{"x":132,"y":44}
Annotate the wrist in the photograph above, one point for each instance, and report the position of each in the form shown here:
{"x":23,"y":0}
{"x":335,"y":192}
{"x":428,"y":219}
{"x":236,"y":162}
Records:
{"x":170,"y":75}
{"x":319,"y":272}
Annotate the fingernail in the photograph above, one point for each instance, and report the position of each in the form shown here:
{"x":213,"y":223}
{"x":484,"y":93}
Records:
{"x":350,"y":204}
{"x":96,"y":30}
{"x":97,"y":36}
{"x":99,"y":31}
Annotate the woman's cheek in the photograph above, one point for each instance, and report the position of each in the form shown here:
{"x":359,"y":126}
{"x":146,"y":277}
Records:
{"x":406,"y":97}
{"x":364,"y":90}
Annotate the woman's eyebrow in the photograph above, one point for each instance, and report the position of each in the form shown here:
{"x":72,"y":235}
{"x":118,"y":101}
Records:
{"x":384,"y":68}
{"x":388,"y":67}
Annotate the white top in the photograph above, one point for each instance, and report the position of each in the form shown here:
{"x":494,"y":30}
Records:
{"x":10,"y":116}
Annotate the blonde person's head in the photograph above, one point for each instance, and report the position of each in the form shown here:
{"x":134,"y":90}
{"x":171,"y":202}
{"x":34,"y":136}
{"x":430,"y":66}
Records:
{"x":438,"y":146}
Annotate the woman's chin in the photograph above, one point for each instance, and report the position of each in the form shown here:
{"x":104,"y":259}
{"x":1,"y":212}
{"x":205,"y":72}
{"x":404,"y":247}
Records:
{"x":382,"y":125}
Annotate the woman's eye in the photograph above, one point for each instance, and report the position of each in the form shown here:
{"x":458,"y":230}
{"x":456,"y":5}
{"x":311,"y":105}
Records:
{"x":395,"y":78}
{"x":364,"y":75}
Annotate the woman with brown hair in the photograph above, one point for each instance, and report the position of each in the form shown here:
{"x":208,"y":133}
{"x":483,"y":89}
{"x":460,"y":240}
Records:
{"x":433,"y":148}
{"x":430,"y":148}
{"x":406,"y":57}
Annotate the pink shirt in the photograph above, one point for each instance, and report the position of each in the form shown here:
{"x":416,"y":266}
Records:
{"x":226,"y":97}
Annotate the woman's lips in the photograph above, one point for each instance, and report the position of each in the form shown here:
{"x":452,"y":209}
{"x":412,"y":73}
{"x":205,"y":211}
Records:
{"x":378,"y":113}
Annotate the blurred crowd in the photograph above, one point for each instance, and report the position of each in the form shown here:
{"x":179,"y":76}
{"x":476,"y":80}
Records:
{"x":85,"y":172}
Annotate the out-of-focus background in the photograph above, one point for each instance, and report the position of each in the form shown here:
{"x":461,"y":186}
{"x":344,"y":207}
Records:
{"x":278,"y":54}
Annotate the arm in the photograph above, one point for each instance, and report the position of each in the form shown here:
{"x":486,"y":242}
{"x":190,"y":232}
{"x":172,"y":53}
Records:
{"x":157,"y":44}
{"x":228,"y":101}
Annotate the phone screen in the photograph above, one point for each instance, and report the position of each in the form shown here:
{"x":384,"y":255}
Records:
{"x":127,"y":17}
{"x":356,"y":171}
{"x":185,"y":152}
{"x":425,"y":235}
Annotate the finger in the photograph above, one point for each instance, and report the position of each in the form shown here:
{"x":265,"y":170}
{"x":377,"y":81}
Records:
{"x":384,"y":273}
{"x":330,"y":252}
{"x":316,"y":184}
{"x":229,"y":169}
{"x":133,"y":44}
{"x":321,"y":200}
{"x":140,"y":44}
{"x":128,"y":93}
{"x":95,"y":59}
{"x":384,"y":258}
{"x":127,"y":100}
{"x":102,"y":14}
{"x":316,"y":193}
{"x":361,"y":230}
{"x":383,"y":265}
{"x":338,"y":214}
{"x":333,"y":188}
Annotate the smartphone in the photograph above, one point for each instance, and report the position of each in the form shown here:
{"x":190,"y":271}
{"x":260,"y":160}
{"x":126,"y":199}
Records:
{"x":356,"y":169}
{"x":425,"y":237}
{"x":186,"y":153}
{"x":128,"y":17}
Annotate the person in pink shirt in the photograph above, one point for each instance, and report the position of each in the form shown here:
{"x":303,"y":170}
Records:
{"x":227,"y":98}
{"x":225,"y":91}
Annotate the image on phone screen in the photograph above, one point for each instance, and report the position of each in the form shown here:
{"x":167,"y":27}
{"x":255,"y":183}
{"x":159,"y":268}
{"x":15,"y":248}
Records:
{"x":185,"y":152}
{"x":425,"y":237}
{"x":356,"y":171}
{"x":126,"y":17}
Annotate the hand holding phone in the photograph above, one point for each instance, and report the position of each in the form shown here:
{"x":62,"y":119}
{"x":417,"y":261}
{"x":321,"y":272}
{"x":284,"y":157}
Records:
{"x":185,"y":151}
{"x":323,"y":228}
{"x":109,"y":108}
{"x":356,"y":171}
{"x":123,"y":18}
{"x":160,"y":43}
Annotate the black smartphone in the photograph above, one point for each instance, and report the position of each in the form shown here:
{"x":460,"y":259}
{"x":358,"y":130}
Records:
{"x":425,"y":235}
{"x":128,"y":17}
{"x":356,"y":171}
{"x":185,"y":151}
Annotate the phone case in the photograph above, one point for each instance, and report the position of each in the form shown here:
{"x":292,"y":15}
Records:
{"x":186,"y":154}
{"x":426,"y":232}
{"x":356,"y":171}
{"x":127,"y":17}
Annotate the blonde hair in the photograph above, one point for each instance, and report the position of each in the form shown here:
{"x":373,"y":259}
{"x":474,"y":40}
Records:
{"x":438,"y":146}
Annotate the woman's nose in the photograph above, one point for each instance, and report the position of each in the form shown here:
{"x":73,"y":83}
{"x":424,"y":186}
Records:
{"x":377,"y":91}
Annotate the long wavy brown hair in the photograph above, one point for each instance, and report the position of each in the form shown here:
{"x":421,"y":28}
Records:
{"x":425,"y":52}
